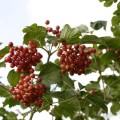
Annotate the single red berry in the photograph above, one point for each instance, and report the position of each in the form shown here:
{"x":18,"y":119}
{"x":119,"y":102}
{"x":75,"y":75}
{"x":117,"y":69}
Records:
{"x":42,"y":86}
{"x":32,"y":75}
{"x":47,"y":22}
{"x":10,"y":44}
{"x":93,"y":50}
{"x":92,"y":91}
{"x":57,"y":27}
{"x":49,"y":29}
{"x":54,"y":31}
{"x":76,"y":46}
{"x":39,"y":80}
{"x":82,"y":47}
{"x":22,"y":76}
{"x":31,"y":70}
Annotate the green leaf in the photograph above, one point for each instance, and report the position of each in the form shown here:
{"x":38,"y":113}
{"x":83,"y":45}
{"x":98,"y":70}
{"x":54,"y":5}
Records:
{"x":91,"y":39}
{"x":68,"y":107}
{"x":73,"y":40}
{"x":70,"y":35}
{"x":101,"y":118}
{"x":39,"y":66}
{"x":93,"y":85}
{"x":78,"y":117}
{"x":93,"y":67}
{"x":11,"y":102}
{"x":0,"y":43}
{"x":58,"y":118}
{"x":112,"y":81}
{"x":116,"y":30}
{"x":51,"y":74}
{"x":83,"y":28}
{"x":47,"y":101}
{"x":115,"y":20}
{"x":95,"y":110}
{"x":108,"y":3}
{"x":13,"y":78}
{"x":115,"y":108}
{"x":52,"y":39}
{"x":2,"y":64}
{"x":63,"y":94}
{"x":11,"y":116}
{"x":4,"y":92}
{"x":7,"y":115}
{"x":35,"y":33}
{"x":98,"y":101}
{"x":65,"y":31}
{"x":57,"y":62}
{"x":4,"y":51}
{"x":2,"y":111}
{"x":117,"y":66}
{"x":107,"y":58}
{"x":98,"y":24}
{"x":113,"y":43}
{"x":75,"y":32}
{"x":80,"y":86}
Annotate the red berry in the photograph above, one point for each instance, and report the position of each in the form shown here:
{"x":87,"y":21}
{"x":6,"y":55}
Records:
{"x":47,"y":22}
{"x":92,"y":91}
{"x":76,"y":46}
{"x":82,"y":47}
{"x":32,"y":75}
{"x":22,"y":76}
{"x":39,"y":80}
{"x":10,"y":44}
{"x":54,"y":31}
{"x":57,"y":27}
{"x":49,"y":29}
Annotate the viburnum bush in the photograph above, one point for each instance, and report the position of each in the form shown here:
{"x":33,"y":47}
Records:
{"x":37,"y":83}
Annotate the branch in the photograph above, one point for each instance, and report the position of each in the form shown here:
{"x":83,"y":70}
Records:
{"x":32,"y":114}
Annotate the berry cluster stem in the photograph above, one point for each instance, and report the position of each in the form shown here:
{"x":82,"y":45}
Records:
{"x":32,"y":114}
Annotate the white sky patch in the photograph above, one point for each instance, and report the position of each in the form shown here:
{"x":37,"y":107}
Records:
{"x":73,"y":12}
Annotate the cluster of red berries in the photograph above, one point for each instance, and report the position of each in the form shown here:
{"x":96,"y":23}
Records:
{"x":74,"y":58}
{"x":23,"y":57}
{"x":29,"y":90}
{"x":55,"y":31}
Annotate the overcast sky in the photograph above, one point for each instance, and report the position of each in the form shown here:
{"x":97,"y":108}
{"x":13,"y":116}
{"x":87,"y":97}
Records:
{"x":16,"y":14}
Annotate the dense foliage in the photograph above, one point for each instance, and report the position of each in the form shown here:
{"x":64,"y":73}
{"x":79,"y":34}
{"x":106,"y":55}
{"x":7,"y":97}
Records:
{"x":35,"y":83}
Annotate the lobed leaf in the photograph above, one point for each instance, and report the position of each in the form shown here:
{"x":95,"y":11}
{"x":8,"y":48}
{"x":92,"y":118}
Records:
{"x":35,"y":33}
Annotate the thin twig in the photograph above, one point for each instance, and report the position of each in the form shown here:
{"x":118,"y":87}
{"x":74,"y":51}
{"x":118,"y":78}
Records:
{"x":32,"y":114}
